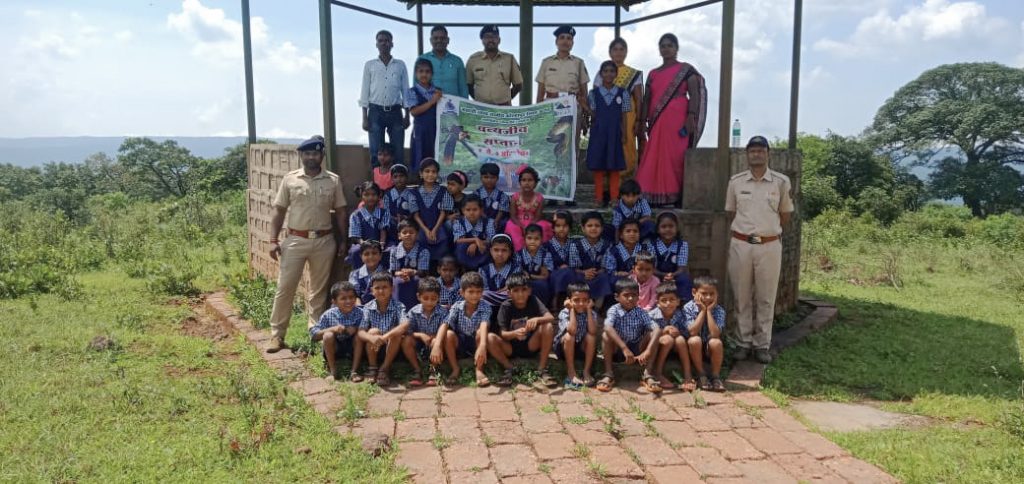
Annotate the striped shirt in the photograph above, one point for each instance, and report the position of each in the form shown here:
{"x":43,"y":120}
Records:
{"x":334,"y":317}
{"x":630,"y":325}
{"x":468,"y":325}
{"x":384,"y":321}
{"x":421,"y":323}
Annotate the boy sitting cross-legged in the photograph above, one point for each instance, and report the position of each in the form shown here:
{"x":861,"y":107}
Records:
{"x":467,"y":329}
{"x":383,"y":328}
{"x":337,"y":329}
{"x":426,"y":320}
{"x":524,"y":330}
{"x":630,"y":335}
{"x":670,"y":318}
{"x":577,"y":335}
{"x":705,"y":322}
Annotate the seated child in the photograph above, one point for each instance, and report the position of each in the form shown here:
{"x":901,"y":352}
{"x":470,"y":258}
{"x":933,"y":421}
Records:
{"x":397,"y":201}
{"x":577,"y":335}
{"x":643,"y":274}
{"x":525,"y":329}
{"x":370,"y":252}
{"x":456,"y":183}
{"x":670,"y":318}
{"x":671,"y":255}
{"x":425,"y":340}
{"x":496,"y":273}
{"x":382,"y":173}
{"x":382,"y":329}
{"x":629,"y":336}
{"x":586,"y":257}
{"x":535,"y":261}
{"x":705,"y":323}
{"x":448,"y":278}
{"x":496,"y":202}
{"x":409,"y":262}
{"x":631,"y":205}
{"x":558,"y":249}
{"x":471,"y":234}
{"x":621,"y":257}
{"x":526,"y":207}
{"x":430,"y":208}
{"x":466,"y":328}
{"x":337,"y":330}
{"x":369,"y":222}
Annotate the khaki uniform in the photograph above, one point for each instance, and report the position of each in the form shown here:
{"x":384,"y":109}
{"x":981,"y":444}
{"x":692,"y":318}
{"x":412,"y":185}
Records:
{"x":309,"y":201}
{"x":754,"y":268}
{"x":492,"y":78}
{"x":562,"y":76}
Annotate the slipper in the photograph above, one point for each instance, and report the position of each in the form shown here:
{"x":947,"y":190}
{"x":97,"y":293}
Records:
{"x":605,"y":384}
{"x":482,"y":380}
{"x":506,"y":378}
{"x":572,"y":383}
{"x":383,"y":379}
{"x":589,"y":382}
{"x":371,"y":374}
{"x":415,"y":382}
{"x":651,"y":384}
{"x":451,"y":381}
{"x":717,"y":385}
{"x":547,"y":380}
{"x":689,"y":385}
{"x":355,"y":377}
{"x":432,"y":379}
{"x":704,"y":383}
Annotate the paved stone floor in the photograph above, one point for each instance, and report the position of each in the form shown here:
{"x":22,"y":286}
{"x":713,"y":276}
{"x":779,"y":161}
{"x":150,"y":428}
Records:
{"x":523,"y":434}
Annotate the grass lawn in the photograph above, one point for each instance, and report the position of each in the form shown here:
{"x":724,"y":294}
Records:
{"x":945,"y":345}
{"x":157,"y":406}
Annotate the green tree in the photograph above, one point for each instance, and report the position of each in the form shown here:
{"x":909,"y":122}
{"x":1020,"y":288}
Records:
{"x":977,"y":108}
{"x":156,"y":170}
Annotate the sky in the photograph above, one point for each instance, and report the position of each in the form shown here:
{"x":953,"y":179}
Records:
{"x":174,"y":67}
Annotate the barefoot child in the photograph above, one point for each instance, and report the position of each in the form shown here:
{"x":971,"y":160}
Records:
{"x":671,"y":255}
{"x":471,"y":234}
{"x":496,"y":202}
{"x":421,"y":100}
{"x":643,"y":274}
{"x":705,"y":322}
{"x":525,"y":329}
{"x":371,"y":253}
{"x":467,"y":329}
{"x":409,"y":262}
{"x":425,"y":339}
{"x":577,"y":335}
{"x":431,"y":205}
{"x":448,"y":269}
{"x":382,"y":329}
{"x":670,"y":318}
{"x":629,"y":336}
{"x":337,"y":329}
{"x":526,"y":207}
{"x":621,"y":258}
{"x":369,"y":222}
{"x":535,"y":261}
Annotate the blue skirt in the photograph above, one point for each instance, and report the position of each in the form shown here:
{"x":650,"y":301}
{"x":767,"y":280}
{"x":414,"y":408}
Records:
{"x":561,"y":278}
{"x":600,"y":286}
{"x":468,"y":262}
{"x":542,"y":289}
{"x":437,"y":249}
{"x":405,"y":292}
{"x":684,"y":288}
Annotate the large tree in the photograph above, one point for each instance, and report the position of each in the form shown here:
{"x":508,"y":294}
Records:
{"x":976,"y":108}
{"x":156,"y":170}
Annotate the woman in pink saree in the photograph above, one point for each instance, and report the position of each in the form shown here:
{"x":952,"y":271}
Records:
{"x":673,"y":116}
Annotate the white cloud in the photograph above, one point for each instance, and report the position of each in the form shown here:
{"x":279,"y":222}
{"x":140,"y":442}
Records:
{"x":925,"y":25}
{"x":287,"y":58}
{"x":124,"y":36}
{"x":50,"y":44}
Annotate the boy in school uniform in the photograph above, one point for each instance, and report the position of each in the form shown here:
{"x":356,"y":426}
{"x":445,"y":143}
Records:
{"x":425,"y":339}
{"x":629,"y":336}
{"x":382,"y":329}
{"x":670,"y":318}
{"x":524,"y":329}
{"x":371,"y":253}
{"x":496,"y":202}
{"x":632,"y":205}
{"x":409,"y":262}
{"x":467,"y":325}
{"x":643,"y":274}
{"x":448,"y":278}
{"x":705,"y":322}
{"x":578,"y":326}
{"x":337,"y":329}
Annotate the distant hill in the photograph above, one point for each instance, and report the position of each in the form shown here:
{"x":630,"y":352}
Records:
{"x":36,"y":151}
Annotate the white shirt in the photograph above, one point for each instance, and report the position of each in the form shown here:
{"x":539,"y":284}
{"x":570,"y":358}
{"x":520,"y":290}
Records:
{"x":383,"y":85}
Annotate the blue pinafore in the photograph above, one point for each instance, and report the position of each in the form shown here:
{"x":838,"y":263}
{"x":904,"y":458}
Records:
{"x":605,"y":150}
{"x":424,"y":130}
{"x":532,"y":266}
{"x":600,"y":286}
{"x":368,"y":223}
{"x":474,"y":262}
{"x":495,"y":291}
{"x":397,"y":204}
{"x":429,"y":212}
{"x":666,"y":261}
{"x":623,"y":262}
{"x":560,"y":277}
{"x":405,"y":292}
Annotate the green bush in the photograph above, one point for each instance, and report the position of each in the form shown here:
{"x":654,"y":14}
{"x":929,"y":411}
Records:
{"x":254,"y":297}
{"x":937,"y":220}
{"x":1005,"y":230}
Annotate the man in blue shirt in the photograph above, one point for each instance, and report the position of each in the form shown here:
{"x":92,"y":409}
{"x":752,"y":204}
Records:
{"x":449,"y":70}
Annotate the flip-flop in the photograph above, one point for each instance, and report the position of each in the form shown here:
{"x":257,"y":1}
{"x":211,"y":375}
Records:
{"x":547,"y":380}
{"x":572,"y":383}
{"x":355,"y":377}
{"x":717,"y":385}
{"x":451,"y":381}
{"x":415,"y":382}
{"x":589,"y":382}
{"x":371,"y":374}
{"x":506,"y":379}
{"x":432,"y":379}
{"x":482,"y":380}
{"x":383,"y":379}
{"x":605,"y":384}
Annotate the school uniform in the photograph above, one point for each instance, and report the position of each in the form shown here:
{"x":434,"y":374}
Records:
{"x":365,"y":224}
{"x":677,"y":320}
{"x":582,"y":256}
{"x":690,"y":312}
{"x":449,"y":294}
{"x":582,"y":323}
{"x":620,"y":259}
{"x":429,"y":205}
{"x":631,"y":326}
{"x":560,"y":277}
{"x":605,"y":154}
{"x":495,"y":292}
{"x":386,"y":320}
{"x":668,"y":259}
{"x":415,"y":258}
{"x":532,"y":265}
{"x":426,"y":324}
{"x":465,"y":326}
{"x":621,"y":213}
{"x":398,"y":206}
{"x":344,"y":342}
{"x":360,"y":278}
{"x":424,"y":127}
{"x":495,"y":202}
{"x":482,"y":229}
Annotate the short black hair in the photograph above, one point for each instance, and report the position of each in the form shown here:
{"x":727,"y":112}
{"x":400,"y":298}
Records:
{"x":626,"y":284}
{"x":429,"y":162}
{"x":608,"y":63}
{"x":644,"y":256}
{"x":340,"y":287}
{"x":668,"y":215}
{"x":701,"y":281}
{"x":386,"y":148}
{"x":666,"y":288}
{"x":384,"y":32}
{"x":578,"y":287}
{"x":591,"y":215}
{"x":489,"y":169}
{"x":440,"y":28}
{"x":562,"y":215}
{"x":529,"y":171}
{"x":422,"y":62}
{"x":519,"y":279}
{"x":381,"y":277}
{"x":404,"y":224}
{"x":628,"y":221}
{"x":473,"y":198}
{"x":448,"y":260}
{"x":471,"y":280}
{"x":630,"y":187}
{"x":370,"y":244}
{"x":428,"y":284}
{"x":533,"y":229}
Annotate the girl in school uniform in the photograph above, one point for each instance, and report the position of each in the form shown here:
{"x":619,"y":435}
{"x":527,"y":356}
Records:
{"x":558,"y":249}
{"x":369,"y":222}
{"x":396,"y":200}
{"x":621,"y":258}
{"x":526,"y":207}
{"x":671,"y":256}
{"x":409,"y":262}
{"x":496,"y":273}
{"x":421,"y":99}
{"x":471,"y":234}
{"x":535,"y":261}
{"x":605,"y":158}
{"x":586,"y":257}
{"x":431,"y":204}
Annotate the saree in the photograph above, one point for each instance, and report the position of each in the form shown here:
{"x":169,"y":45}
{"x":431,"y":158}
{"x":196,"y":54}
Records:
{"x":660,"y":173}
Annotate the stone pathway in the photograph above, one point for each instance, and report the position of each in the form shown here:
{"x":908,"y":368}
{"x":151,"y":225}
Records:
{"x":522,"y":434}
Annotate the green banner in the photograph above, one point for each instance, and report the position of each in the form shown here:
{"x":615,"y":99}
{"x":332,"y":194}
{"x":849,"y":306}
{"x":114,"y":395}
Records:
{"x":542,"y":136}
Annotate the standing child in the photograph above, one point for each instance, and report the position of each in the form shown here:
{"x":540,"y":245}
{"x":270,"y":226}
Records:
{"x":382,"y":173}
{"x":643,"y":274}
{"x":632,"y":205}
{"x":421,"y":100}
{"x":558,"y":249}
{"x":409,"y":262}
{"x":671,"y":255}
{"x":496,"y":202}
{"x":526,"y":207}
{"x":337,"y":329}
{"x":525,"y":329}
{"x":586,"y":256}
{"x":471,"y":234}
{"x":382,"y":329}
{"x":629,"y":336}
{"x":467,"y":329}
{"x":426,"y":340}
{"x":397,"y":201}
{"x":496,"y":273}
{"x":535,"y":261}
{"x":621,"y":258}
{"x":610,"y":105}
{"x":670,"y":318}
{"x":369,"y":222}
{"x":456,"y":183}
{"x":431,"y":205}
{"x":705,"y":323}
{"x":577,"y":335}
{"x":448,"y":270}
{"x":370,"y":253}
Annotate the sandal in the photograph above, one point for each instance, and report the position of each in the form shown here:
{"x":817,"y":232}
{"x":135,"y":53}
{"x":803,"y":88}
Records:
{"x":383,"y":379}
{"x":415,"y":381}
{"x":432,"y":379}
{"x":589,"y":382}
{"x":605,"y":384}
{"x":572,"y":383}
{"x":451,"y":381}
{"x":704,"y":383}
{"x":355,"y":377}
{"x":506,"y":378}
{"x":482,"y":380}
{"x":651,"y":384}
{"x":717,"y":385}
{"x":689,"y":385}
{"x":547,"y":380}
{"x":371,"y":374}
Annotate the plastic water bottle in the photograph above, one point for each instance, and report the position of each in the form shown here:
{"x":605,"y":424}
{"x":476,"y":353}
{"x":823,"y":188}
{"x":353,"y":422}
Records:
{"x":736,"y":133}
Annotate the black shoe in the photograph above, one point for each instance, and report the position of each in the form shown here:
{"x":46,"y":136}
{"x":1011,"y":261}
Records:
{"x":762,"y":356}
{"x":741,"y":354}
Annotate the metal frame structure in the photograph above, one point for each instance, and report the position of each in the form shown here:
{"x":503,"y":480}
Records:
{"x":526,"y":24}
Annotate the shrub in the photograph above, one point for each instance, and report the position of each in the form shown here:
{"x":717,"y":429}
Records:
{"x":937,"y":220}
{"x":1005,"y":230}
{"x":254,"y":297}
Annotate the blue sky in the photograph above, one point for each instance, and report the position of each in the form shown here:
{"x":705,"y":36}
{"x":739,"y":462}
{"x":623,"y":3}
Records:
{"x":174,"y":67}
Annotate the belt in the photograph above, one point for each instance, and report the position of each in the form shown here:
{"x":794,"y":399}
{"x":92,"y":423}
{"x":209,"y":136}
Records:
{"x":554,"y":95}
{"x":754,"y":239}
{"x":309,"y":234}
{"x":387,"y":109}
